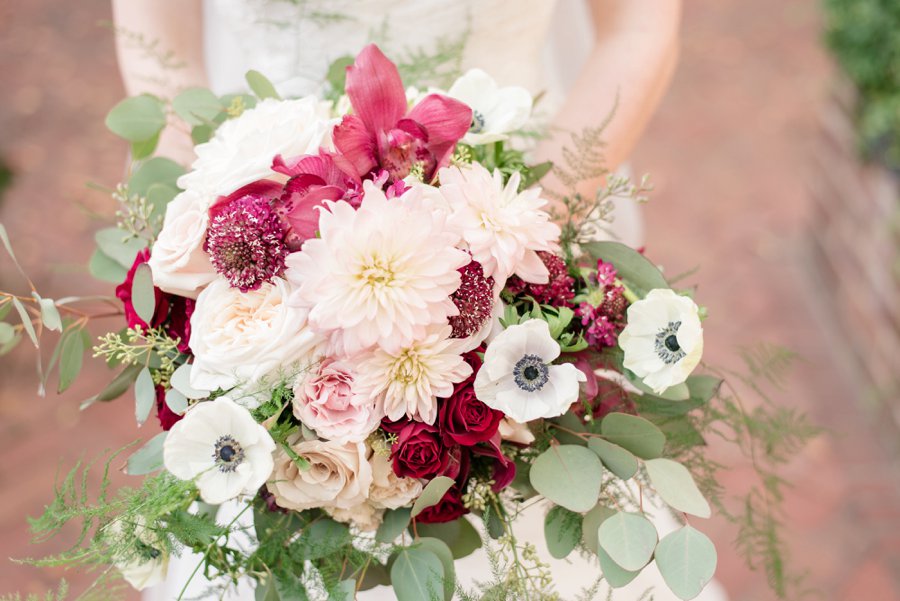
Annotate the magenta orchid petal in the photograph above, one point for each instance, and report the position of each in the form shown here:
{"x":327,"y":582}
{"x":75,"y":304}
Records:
{"x":375,"y":89}
{"x":446,"y":120}
{"x":356,"y":143}
{"x":266,"y":188}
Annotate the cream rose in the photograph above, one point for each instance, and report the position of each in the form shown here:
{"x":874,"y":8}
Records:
{"x":241,"y":338}
{"x":364,"y":516}
{"x":325,"y":401}
{"x":338,"y":476}
{"x":514,"y":431}
{"x":389,"y":490}
{"x":177,"y":261}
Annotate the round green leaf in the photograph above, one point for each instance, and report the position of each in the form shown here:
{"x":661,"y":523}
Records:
{"x":261,"y":85}
{"x":149,"y":457}
{"x":197,"y":105}
{"x":181,"y":381}
{"x":591,"y":524}
{"x":462,"y":538}
{"x":687,"y":561}
{"x":49,"y":313}
{"x":675,"y":485}
{"x":417,"y":574}
{"x":144,"y":396}
{"x":105,"y":269}
{"x":158,"y":170}
{"x":634,"y":434}
{"x":176,"y":401}
{"x":7,"y":333}
{"x":118,"y":246}
{"x":633,"y":267}
{"x":394,"y":523}
{"x":613,"y":573}
{"x":440,"y":548}
{"x":568,"y":475}
{"x":629,"y":539}
{"x":143,"y":295}
{"x":142,"y":150}
{"x":138,"y":118}
{"x":562,"y":530}
{"x":616,"y":459}
{"x":432,"y":494}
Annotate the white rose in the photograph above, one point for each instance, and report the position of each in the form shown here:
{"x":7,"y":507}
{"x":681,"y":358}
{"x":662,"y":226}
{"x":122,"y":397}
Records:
{"x":177,"y":261}
{"x":240,"y":338}
{"x":242,"y":149}
{"x":338,"y":476}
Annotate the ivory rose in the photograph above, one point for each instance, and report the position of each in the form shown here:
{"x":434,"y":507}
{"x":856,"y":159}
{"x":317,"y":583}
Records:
{"x":389,"y":490}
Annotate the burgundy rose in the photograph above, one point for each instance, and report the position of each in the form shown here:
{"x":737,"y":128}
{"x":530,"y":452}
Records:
{"x":464,"y":419}
{"x":123,"y":292}
{"x":167,"y":417}
{"x":419,"y":451}
{"x":504,"y":469}
{"x":449,"y":508}
{"x":179,"y":326}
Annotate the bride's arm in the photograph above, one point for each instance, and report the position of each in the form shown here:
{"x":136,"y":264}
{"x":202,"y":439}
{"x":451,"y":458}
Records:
{"x":159,"y":44}
{"x":633,"y":58}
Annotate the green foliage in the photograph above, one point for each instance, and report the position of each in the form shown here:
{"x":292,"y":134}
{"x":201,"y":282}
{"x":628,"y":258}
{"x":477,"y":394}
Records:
{"x":60,"y":594}
{"x":629,"y":539}
{"x":687,"y":561}
{"x":864,"y":36}
{"x":568,"y":475}
{"x":137,"y":119}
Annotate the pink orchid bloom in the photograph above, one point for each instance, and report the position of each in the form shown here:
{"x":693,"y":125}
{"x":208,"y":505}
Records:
{"x":383,"y":133}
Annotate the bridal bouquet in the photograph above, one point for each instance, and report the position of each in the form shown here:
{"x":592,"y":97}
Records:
{"x":356,"y":320}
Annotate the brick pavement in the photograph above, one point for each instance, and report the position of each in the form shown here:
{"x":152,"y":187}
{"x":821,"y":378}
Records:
{"x":728,"y":152}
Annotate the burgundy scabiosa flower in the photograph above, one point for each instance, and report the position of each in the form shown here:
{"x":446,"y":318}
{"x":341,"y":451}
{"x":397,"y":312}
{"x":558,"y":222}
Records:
{"x":475,"y":300}
{"x":382,"y":133}
{"x":603,"y":313}
{"x":558,"y":291}
{"x":245,"y":240}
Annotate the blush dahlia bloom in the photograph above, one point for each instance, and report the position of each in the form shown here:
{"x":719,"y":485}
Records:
{"x":407,"y":380}
{"x":381,"y":134}
{"x":503,"y":227}
{"x":364,"y":284}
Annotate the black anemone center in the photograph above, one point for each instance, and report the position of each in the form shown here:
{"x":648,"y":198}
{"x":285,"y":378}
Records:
{"x":227,"y":453}
{"x":672,"y":343}
{"x":531,"y":373}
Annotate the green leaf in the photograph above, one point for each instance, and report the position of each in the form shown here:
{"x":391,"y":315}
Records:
{"x":144,"y":396}
{"x":417,"y":574}
{"x":158,"y":170}
{"x":375,"y":575}
{"x":562,"y":530}
{"x":591,"y":523}
{"x":176,"y":401}
{"x":181,"y":381}
{"x":568,"y":475}
{"x":267,"y":591}
{"x":613,"y":573}
{"x":197,"y":106}
{"x":159,"y":196}
{"x":118,"y":246}
{"x":703,"y":388}
{"x":678,"y":392}
{"x":629,"y":539}
{"x":687,"y":561}
{"x":493,"y":522}
{"x":201,"y":134}
{"x":49,"y":313}
{"x":142,"y":150}
{"x":26,"y":321}
{"x":394,"y":523}
{"x":536,"y":173}
{"x":105,"y":269}
{"x":460,"y":536}
{"x":71,"y":356}
{"x":675,"y":485}
{"x":432,"y":494}
{"x":261,"y":85}
{"x":138,"y":118}
{"x":5,"y":308}
{"x":149,"y":458}
{"x":9,"y":345}
{"x":439,"y":548}
{"x":120,"y":383}
{"x":143,"y":295}
{"x":337,"y":73}
{"x":635,"y":269}
{"x":323,"y":538}
{"x":7,"y":333}
{"x":4,"y":238}
{"x":616,"y":459}
{"x":634,"y":434}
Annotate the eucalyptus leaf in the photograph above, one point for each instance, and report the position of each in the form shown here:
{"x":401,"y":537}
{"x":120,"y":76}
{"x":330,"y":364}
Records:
{"x":267,"y":591}
{"x":562,"y":531}
{"x":106,"y":269}
{"x":459,"y":534}
{"x":322,"y":538}
{"x":26,"y":321}
{"x":337,"y":73}
{"x":5,"y":308}
{"x":629,"y":539}
{"x":138,"y":118}
{"x":181,"y":381}
{"x":676,"y":486}
{"x":614,"y":574}
{"x":568,"y":475}
{"x":142,"y":150}
{"x":344,"y":591}
{"x":7,"y":333}
{"x":591,"y":524}
{"x":394,"y":523}
{"x":118,"y":246}
{"x":687,"y":561}
{"x":158,"y":170}
{"x":9,"y":345}
{"x":417,"y":574}
{"x":197,"y":105}
{"x":261,"y":85}
{"x":49,"y":313}
{"x":71,"y":356}
{"x":635,"y":269}
{"x":634,"y":434}
{"x":159,"y":196}
{"x":120,"y":383}
{"x":149,"y":458}
{"x":432,"y":494}
{"x":442,"y":551}
{"x":176,"y":401}
{"x":144,"y":396}
{"x":143,"y":294}
{"x":616,"y":459}
{"x":703,"y":388}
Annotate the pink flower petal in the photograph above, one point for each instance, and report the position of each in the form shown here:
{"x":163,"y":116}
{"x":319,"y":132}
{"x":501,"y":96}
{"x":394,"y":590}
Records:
{"x":446,"y":120}
{"x":356,"y":143}
{"x":375,"y":89}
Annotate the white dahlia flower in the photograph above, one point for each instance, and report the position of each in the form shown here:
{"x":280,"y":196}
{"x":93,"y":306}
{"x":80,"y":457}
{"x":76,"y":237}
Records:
{"x":518,"y":377}
{"x":381,"y":274}
{"x":220,"y":446}
{"x":496,"y":111}
{"x":242,"y":149}
{"x":663,"y":339}
{"x":504,"y":228}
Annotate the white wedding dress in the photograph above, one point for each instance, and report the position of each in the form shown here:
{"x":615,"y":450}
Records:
{"x":538,"y":44}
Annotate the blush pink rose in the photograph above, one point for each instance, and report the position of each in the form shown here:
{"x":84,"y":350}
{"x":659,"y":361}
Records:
{"x":325,"y":401}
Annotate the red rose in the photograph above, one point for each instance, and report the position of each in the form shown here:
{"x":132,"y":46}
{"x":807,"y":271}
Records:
{"x":419,"y":451}
{"x":449,"y":508}
{"x":504,"y":469}
{"x":123,"y":291}
{"x":464,"y":419}
{"x":167,"y":417}
{"x":180,"y":311}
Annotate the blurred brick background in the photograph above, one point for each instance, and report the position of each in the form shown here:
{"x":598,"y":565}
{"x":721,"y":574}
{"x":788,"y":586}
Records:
{"x":729,"y":153}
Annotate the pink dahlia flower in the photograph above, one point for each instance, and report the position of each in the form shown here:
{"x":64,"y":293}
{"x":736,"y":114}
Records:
{"x":383,"y":133}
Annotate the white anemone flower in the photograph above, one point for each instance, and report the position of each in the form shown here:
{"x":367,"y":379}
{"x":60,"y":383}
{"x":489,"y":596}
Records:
{"x":663,"y":339}
{"x":148,"y":563}
{"x":496,"y":111}
{"x":519,"y":379}
{"x":220,"y":446}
